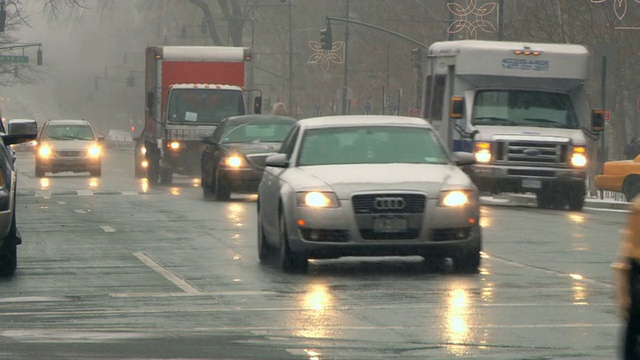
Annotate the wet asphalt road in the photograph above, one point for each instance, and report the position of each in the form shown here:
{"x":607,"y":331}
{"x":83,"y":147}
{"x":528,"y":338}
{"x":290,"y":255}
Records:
{"x":111,"y":268}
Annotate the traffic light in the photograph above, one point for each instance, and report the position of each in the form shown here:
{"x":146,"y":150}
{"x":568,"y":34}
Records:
{"x":325,"y":39}
{"x":39,"y":56}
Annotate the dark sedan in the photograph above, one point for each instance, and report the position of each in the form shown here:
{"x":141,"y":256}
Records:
{"x":234,"y":157}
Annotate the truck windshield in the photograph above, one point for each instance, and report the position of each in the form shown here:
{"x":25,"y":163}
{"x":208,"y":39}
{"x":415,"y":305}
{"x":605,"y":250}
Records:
{"x":524,"y":108}
{"x":204,"y":106}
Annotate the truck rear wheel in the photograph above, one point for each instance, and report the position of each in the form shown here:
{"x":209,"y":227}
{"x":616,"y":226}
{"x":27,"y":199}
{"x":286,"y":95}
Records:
{"x":166,"y":176}
{"x":576,"y":200}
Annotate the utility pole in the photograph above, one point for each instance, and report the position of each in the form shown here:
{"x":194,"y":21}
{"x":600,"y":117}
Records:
{"x":291,"y":105}
{"x":345,"y":83}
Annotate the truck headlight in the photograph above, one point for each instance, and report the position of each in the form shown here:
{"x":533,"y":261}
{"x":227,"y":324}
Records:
{"x":454,"y":198}
{"x":483,"y":152}
{"x":317,"y":199}
{"x":579,"y":156}
{"x":44,"y":151}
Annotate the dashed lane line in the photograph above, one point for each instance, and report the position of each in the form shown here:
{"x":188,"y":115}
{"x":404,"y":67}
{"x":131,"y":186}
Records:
{"x":185,"y":286}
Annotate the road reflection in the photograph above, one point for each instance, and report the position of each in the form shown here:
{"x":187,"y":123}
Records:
{"x":318,"y":314}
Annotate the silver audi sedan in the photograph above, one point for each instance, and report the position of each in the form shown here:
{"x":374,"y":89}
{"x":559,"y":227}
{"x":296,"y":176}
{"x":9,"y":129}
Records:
{"x":367,"y":185}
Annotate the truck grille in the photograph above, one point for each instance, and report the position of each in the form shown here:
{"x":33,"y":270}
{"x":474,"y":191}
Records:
{"x":531,"y":153}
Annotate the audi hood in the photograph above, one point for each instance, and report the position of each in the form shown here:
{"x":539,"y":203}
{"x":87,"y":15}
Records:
{"x":346,"y":180}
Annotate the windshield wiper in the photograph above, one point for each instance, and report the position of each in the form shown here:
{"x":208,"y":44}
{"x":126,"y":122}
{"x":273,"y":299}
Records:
{"x":491,"y":119}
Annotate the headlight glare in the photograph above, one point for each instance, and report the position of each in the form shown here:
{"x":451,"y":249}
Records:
{"x":94,"y":151}
{"x":579,"y":156}
{"x":317,"y":199}
{"x":454,"y":198}
{"x":44,"y":151}
{"x":174,"y":145}
{"x":233,"y":161}
{"x":482,"y":152}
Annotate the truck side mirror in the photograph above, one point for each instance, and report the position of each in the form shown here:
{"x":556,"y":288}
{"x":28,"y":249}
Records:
{"x":456,"y":107}
{"x":257,"y":105}
{"x":597,"y":120}
{"x":150,"y":102}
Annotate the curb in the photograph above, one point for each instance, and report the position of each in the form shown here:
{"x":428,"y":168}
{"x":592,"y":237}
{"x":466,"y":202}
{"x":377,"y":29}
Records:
{"x":528,"y":199}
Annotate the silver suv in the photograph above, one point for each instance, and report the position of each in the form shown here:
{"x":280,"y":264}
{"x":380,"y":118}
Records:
{"x":68,"y":145}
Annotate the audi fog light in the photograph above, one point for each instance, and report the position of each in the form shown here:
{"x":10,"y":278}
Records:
{"x":44,"y":151}
{"x":317,"y":199}
{"x":483,"y":152}
{"x":579,"y":156}
{"x":94,"y":151}
{"x":454,"y":198}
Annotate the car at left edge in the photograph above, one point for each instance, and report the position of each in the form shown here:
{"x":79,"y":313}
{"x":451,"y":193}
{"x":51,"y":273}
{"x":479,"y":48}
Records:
{"x":234,"y":155}
{"x":22,"y":131}
{"x":367,"y":185}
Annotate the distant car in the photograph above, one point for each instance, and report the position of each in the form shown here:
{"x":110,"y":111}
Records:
{"x":20,"y":132}
{"x":28,"y":146}
{"x":367,"y":186}
{"x":234,"y":156}
{"x":620,"y":176}
{"x":119,"y":138}
{"x":68,"y":145}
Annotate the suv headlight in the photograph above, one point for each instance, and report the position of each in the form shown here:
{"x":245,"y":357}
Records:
{"x":94,"y":151}
{"x":44,"y":151}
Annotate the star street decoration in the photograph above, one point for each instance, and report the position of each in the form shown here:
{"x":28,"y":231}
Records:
{"x":325,"y":58}
{"x":471,"y":18}
{"x":619,"y":6}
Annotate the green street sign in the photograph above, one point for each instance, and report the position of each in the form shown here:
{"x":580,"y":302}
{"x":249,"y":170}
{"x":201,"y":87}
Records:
{"x":13,"y":59}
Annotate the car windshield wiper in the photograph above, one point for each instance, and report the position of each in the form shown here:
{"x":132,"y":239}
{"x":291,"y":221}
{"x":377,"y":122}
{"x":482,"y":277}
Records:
{"x":493,"y":119}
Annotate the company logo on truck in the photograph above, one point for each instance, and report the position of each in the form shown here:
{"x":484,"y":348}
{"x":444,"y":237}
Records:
{"x":525,"y":64}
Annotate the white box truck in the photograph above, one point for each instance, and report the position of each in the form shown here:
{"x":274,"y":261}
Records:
{"x":521,"y":108}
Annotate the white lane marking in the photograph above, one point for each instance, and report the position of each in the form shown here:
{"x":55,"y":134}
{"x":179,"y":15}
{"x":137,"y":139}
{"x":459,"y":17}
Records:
{"x":80,"y":211}
{"x":23,"y":299}
{"x":107,"y":228}
{"x":606,"y":210}
{"x":45,"y":194}
{"x":185,"y":286}
{"x":129,"y":193}
{"x":72,"y":336}
{"x":548,"y":271}
{"x":202,"y":293}
{"x":85,"y":192}
{"x":61,"y":202}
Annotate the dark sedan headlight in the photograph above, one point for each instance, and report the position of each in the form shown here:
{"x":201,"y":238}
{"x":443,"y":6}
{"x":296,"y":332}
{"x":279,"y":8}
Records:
{"x":233,"y":162}
{"x":317,"y":199}
{"x":455,"y":198}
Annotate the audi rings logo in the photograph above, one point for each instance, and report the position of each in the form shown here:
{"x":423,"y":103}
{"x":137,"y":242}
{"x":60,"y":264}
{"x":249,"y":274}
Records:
{"x":389,"y":203}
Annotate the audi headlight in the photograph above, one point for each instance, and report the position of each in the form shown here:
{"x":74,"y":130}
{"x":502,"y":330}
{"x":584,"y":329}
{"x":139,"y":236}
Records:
{"x":317,"y":199}
{"x":579,"y":156}
{"x":44,"y":151}
{"x":94,"y":151}
{"x":453,"y":198}
{"x":483,"y":152}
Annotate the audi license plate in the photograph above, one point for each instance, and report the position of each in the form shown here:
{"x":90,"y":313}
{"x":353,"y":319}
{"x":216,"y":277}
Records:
{"x":389,"y":224}
{"x":531,"y":183}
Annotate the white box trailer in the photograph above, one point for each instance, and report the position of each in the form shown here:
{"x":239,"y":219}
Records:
{"x":521,"y":109}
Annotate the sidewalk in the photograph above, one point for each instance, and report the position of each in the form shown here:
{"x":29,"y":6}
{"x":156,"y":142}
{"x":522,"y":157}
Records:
{"x":530,"y":199}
